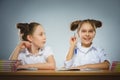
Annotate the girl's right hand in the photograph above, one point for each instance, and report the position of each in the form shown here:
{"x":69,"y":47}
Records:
{"x":24,"y":44}
{"x":73,"y":41}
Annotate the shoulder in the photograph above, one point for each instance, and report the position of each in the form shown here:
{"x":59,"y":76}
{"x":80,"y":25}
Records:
{"x":47,"y":48}
{"x":23,"y":52}
{"x":47,"y":51}
{"x":99,"y":49}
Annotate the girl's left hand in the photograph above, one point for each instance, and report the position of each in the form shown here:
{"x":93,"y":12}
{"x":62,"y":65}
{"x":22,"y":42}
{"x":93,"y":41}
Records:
{"x":80,"y":67}
{"x":22,"y":66}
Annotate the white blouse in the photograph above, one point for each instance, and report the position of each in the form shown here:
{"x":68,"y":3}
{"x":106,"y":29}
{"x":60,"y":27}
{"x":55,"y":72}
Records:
{"x":27,"y":58}
{"x":84,"y":56}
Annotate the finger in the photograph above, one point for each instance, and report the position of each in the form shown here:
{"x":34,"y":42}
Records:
{"x":27,"y":44}
{"x":23,"y":46}
{"x":73,"y":38}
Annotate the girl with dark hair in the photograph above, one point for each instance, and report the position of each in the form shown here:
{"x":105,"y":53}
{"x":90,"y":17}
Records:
{"x":82,"y":53}
{"x":32,"y":50}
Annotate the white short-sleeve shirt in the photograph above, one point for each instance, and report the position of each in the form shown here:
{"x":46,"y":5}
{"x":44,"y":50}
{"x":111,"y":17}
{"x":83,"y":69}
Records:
{"x":27,"y":58}
{"x":84,"y":56}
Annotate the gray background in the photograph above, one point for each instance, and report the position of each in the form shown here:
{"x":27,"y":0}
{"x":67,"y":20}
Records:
{"x":56,"y":16}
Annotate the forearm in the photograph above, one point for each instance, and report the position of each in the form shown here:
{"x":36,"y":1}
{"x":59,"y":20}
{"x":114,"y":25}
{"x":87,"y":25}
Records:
{"x":21,"y":45}
{"x":14,"y":55}
{"x":104,"y":65}
{"x":70,"y":53}
{"x":40,"y":66}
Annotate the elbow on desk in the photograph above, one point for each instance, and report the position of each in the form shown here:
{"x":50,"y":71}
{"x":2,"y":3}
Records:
{"x":52,"y":66}
{"x":107,"y":64}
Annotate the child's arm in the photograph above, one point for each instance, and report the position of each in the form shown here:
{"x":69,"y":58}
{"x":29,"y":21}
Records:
{"x":14,"y":55}
{"x":50,"y":64}
{"x":70,"y":53}
{"x":21,"y":45}
{"x":103,"y":65}
{"x":72,"y":47}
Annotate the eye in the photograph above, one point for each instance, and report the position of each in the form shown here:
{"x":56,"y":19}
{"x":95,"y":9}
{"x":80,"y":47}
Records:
{"x":83,"y":31}
{"x":91,"y":31}
{"x":42,"y":33}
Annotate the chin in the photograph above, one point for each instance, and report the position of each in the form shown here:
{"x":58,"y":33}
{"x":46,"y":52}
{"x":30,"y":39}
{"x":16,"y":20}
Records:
{"x":87,"y":43}
{"x":42,"y":46}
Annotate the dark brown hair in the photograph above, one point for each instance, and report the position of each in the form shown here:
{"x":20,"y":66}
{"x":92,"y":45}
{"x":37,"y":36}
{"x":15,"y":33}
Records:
{"x":75,"y":24}
{"x":27,"y":29}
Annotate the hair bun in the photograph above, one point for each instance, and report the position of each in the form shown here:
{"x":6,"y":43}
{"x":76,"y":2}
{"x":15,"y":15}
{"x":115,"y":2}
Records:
{"x":74,"y":25}
{"x":23,"y":27}
{"x":97,"y":23}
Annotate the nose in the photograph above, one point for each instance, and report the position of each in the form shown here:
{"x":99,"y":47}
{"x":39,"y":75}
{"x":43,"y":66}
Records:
{"x":87,"y":33}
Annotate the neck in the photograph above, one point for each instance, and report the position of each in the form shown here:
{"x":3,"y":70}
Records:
{"x":86,"y":45}
{"x":33,"y":50}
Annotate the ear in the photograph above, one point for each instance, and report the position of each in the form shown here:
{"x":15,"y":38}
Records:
{"x":29,"y":37}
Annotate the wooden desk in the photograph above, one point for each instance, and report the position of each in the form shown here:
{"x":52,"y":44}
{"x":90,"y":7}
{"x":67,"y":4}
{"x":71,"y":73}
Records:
{"x":60,"y":75}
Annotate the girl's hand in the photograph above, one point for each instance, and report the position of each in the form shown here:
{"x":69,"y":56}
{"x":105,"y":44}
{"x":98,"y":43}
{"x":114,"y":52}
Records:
{"x":25,"y":66}
{"x":18,"y":63}
{"x":79,"y":67}
{"x":24,"y":44}
{"x":73,"y":41}
{"x":22,"y":66}
{"x":19,"y":47}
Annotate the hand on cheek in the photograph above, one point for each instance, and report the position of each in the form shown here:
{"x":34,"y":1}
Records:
{"x":25,"y":44}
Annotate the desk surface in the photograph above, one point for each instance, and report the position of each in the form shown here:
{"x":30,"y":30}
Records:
{"x":61,"y":73}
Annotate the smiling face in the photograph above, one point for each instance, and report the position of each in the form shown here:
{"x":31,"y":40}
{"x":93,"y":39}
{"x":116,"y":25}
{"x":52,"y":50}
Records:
{"x":86,"y":33}
{"x":38,"y":38}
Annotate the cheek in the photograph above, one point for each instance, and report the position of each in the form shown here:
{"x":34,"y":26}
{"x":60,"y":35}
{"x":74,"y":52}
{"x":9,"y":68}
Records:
{"x":80,"y":34}
{"x":93,"y":35}
{"x":36,"y":40}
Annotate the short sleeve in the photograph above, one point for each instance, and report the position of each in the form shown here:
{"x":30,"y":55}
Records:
{"x":102,"y":55}
{"x":21,"y":56}
{"x":68,"y":64}
{"x":47,"y":52}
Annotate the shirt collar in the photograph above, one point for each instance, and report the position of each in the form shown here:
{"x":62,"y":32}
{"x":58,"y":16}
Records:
{"x":92,"y":47}
{"x":40,"y":53}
